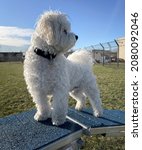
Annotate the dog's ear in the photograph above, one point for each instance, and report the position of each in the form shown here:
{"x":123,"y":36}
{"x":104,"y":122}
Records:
{"x":45,"y":30}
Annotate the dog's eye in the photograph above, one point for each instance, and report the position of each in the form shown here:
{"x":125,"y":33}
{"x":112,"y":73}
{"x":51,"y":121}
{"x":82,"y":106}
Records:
{"x":65,"y":31}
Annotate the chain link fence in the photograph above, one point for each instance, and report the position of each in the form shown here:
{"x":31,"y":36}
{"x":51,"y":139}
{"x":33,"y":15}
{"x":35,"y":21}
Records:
{"x":108,"y":52}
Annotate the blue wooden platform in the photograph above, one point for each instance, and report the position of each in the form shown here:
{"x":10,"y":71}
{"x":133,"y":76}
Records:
{"x":22,"y":132}
{"x":112,"y":121}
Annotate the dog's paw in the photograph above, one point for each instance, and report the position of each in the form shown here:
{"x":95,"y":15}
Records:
{"x":98,"y":113}
{"x":40,"y":117}
{"x":58,"y":121}
{"x":80,"y":105}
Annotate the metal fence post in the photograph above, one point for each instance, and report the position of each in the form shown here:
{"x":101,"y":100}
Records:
{"x":103,"y":53}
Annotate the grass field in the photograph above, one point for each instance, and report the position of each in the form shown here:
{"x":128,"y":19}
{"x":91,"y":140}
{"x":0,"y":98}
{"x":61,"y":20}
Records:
{"x":14,"y":97}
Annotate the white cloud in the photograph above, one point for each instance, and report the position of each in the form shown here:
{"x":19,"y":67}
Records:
{"x":14,"y":36}
{"x":10,"y":41}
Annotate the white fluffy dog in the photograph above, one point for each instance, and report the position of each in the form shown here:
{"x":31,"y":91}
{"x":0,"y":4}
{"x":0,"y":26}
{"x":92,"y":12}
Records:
{"x":49,"y":73}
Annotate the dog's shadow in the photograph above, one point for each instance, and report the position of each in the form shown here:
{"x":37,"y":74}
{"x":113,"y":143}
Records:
{"x":66,"y":126}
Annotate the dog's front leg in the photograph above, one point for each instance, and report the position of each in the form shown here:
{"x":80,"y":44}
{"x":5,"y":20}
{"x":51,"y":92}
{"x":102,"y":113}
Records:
{"x":60,"y":106}
{"x":43,"y":107}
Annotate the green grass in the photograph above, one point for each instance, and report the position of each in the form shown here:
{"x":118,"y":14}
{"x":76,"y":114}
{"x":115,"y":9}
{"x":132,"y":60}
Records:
{"x":14,"y":97}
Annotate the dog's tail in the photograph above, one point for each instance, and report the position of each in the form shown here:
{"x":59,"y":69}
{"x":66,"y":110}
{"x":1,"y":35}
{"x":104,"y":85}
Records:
{"x":82,"y":57}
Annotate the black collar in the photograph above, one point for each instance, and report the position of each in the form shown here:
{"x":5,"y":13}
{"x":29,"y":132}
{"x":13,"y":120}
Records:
{"x":44,"y":54}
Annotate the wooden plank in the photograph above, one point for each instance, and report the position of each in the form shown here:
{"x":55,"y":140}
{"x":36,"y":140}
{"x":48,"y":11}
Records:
{"x":108,"y":130}
{"x":63,"y":141}
{"x":112,"y":121}
{"x":86,"y":118}
{"x":21,"y":131}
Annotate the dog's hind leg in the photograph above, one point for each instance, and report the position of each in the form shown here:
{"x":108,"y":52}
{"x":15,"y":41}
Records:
{"x":80,"y":97}
{"x":92,"y":92}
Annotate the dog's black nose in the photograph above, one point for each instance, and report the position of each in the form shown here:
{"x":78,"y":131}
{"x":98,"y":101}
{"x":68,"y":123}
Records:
{"x":76,"y":37}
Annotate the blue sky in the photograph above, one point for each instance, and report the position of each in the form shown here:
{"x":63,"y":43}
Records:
{"x":94,"y":21}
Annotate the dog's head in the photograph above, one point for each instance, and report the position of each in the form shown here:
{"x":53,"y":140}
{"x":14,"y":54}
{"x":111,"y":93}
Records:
{"x":54,"y":28}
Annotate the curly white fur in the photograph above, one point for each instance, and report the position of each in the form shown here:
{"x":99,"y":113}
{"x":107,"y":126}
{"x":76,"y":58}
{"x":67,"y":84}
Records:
{"x":61,"y":76}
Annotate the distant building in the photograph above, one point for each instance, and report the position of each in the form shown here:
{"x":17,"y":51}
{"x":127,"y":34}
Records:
{"x":11,"y":56}
{"x":121,"y":42}
{"x":100,"y":56}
